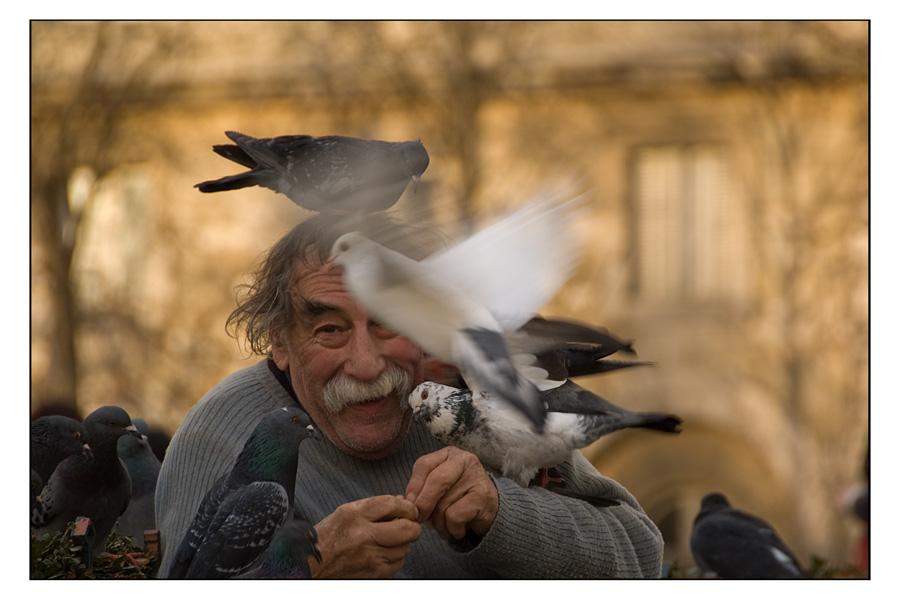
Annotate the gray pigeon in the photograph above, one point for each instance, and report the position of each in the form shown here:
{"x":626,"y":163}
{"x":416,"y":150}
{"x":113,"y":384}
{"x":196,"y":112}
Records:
{"x":479,"y":424}
{"x":737,"y":545}
{"x":288,"y":555}
{"x":54,"y":438}
{"x":143,"y":468}
{"x":37,"y":485}
{"x":97,"y":487}
{"x":240,"y":515}
{"x":324,"y":174}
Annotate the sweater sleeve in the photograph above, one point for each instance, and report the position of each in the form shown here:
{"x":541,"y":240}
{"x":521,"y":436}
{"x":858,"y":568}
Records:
{"x":540,"y":534}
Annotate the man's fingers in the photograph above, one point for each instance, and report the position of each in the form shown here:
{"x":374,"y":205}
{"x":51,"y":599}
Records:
{"x":396,"y":533}
{"x":438,"y":475}
{"x":421,"y":469}
{"x":386,"y":508}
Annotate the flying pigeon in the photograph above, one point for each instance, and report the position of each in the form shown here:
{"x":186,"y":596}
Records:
{"x":476,"y":422}
{"x":54,"y":438}
{"x":737,"y":545}
{"x":288,"y":555}
{"x":241,"y":514}
{"x":143,"y":468}
{"x":324,"y":174}
{"x":97,"y":486}
{"x":457,"y":304}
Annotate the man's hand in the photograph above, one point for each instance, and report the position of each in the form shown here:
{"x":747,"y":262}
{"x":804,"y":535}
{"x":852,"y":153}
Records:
{"x":368,"y":538}
{"x":452,"y":489}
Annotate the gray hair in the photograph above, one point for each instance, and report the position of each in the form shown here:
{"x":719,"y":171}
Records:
{"x":265,"y":304}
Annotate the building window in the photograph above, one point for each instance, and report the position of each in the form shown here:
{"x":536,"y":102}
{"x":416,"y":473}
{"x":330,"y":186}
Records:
{"x":684,"y":224}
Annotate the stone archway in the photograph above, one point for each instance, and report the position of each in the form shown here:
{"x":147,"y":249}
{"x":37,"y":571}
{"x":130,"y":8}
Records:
{"x":670,"y":474}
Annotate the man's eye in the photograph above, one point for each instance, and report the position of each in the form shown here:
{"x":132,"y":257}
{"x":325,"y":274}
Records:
{"x":327,"y":329}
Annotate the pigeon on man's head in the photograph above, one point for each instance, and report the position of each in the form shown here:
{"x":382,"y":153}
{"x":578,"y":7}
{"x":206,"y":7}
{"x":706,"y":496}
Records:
{"x":242,"y":512}
{"x":458,"y":304}
{"x":475,"y":422}
{"x":54,"y":438}
{"x":143,"y":468}
{"x":737,"y":545}
{"x":96,"y":486}
{"x":324,"y":174}
{"x":287,"y":557}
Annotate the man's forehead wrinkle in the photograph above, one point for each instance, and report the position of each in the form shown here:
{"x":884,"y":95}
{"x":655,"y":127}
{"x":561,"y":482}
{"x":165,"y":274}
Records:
{"x":313,"y":308}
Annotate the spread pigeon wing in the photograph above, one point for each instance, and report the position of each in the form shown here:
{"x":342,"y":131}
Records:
{"x":517,"y":265}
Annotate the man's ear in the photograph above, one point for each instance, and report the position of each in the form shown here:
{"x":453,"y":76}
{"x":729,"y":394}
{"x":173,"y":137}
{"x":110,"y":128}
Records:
{"x":279,"y":350}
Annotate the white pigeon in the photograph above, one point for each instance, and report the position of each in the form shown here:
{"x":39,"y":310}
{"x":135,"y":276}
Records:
{"x":458,"y":303}
{"x":475,"y":422}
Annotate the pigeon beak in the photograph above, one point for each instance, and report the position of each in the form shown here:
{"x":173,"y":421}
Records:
{"x":314,"y":433}
{"x":86,"y":451}
{"x":415,"y":182}
{"x":313,"y":537}
{"x":131,"y":429}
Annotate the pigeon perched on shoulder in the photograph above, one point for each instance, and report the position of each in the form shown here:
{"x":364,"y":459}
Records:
{"x":458,"y":304}
{"x":54,"y":438}
{"x":737,"y":545}
{"x":324,"y":174}
{"x":97,"y":486}
{"x":477,"y":423}
{"x":242,"y":512}
{"x":288,"y":555}
{"x":143,"y":468}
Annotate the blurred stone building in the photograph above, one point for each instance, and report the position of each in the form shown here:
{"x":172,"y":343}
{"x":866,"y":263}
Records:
{"x":727,"y":232}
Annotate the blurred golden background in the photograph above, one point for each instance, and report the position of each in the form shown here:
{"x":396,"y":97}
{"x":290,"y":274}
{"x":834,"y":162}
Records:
{"x":727,"y":233}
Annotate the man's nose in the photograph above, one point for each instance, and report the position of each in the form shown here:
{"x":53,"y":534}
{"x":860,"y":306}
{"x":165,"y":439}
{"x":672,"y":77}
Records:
{"x":366,"y":361}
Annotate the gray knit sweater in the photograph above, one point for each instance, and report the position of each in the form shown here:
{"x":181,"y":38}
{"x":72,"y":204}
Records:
{"x":537,"y":533}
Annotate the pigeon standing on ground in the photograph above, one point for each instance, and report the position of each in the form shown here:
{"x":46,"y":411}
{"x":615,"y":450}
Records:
{"x":476,"y":423}
{"x":53,"y":439}
{"x":457,"y":304}
{"x":241,"y":514}
{"x":737,"y":545}
{"x":288,"y":555}
{"x":143,"y":468}
{"x":97,"y":486}
{"x":324,"y":174}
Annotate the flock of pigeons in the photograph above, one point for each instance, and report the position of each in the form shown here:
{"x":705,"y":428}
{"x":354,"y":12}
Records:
{"x":508,"y":398}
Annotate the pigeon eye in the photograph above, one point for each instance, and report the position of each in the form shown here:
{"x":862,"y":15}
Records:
{"x":77,"y":435}
{"x":295,"y":420}
{"x":344,"y":246}
{"x":425,"y":395}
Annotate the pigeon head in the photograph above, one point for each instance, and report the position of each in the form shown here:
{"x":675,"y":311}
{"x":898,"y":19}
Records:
{"x":445,"y":410}
{"x":713,"y":501}
{"x":107,"y":424}
{"x":416,"y":158}
{"x":274,"y":442}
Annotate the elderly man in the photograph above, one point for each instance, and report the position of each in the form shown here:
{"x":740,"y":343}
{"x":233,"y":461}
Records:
{"x":378,"y":478}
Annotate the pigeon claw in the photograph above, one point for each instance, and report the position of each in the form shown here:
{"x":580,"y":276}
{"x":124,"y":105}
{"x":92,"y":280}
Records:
{"x":544,"y":477}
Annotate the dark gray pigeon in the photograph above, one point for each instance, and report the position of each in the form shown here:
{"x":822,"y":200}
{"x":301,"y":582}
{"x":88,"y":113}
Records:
{"x":97,"y":486}
{"x":324,"y":174}
{"x":288,"y":555}
{"x":242,"y":512}
{"x":37,"y":485}
{"x":737,"y":545}
{"x":479,"y":424}
{"x":54,"y":438}
{"x":143,"y":468}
